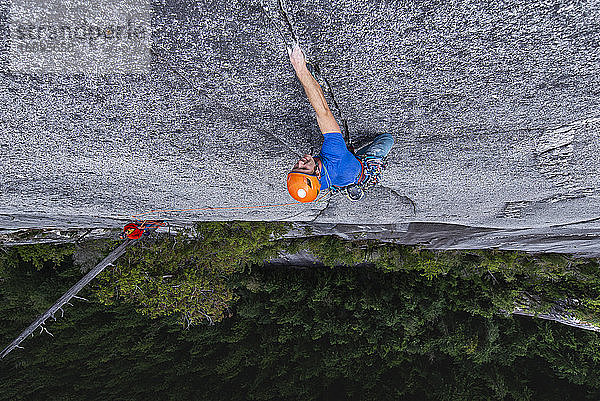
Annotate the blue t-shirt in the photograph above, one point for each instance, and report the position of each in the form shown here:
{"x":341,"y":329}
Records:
{"x":340,"y":167}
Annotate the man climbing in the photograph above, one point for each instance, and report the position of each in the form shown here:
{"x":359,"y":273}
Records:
{"x":335,"y":167}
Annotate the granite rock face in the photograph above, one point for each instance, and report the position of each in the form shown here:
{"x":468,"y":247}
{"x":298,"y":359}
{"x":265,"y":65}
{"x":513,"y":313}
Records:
{"x":494,"y":108}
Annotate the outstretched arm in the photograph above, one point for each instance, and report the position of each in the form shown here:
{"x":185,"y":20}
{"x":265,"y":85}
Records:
{"x":325,"y":118}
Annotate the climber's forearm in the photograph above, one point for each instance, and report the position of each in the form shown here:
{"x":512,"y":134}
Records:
{"x":315,"y":95}
{"x":313,"y":91}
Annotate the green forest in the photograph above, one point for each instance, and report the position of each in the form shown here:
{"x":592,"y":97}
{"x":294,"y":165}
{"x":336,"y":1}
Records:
{"x":198,"y":315}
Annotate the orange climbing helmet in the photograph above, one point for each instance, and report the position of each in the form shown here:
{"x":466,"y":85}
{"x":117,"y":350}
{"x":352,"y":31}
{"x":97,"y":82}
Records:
{"x":303,"y":187}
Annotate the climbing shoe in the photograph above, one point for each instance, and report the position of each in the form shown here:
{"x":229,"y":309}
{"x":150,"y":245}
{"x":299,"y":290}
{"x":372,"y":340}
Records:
{"x":354,"y":193}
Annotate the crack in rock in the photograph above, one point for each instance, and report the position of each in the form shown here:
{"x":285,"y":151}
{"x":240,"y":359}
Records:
{"x":281,"y":26}
{"x":577,"y":222}
{"x":290,"y":217}
{"x":316,"y":71}
{"x":404,"y":197}
{"x":287,"y":20}
{"x":322,"y":210}
{"x":319,"y":76}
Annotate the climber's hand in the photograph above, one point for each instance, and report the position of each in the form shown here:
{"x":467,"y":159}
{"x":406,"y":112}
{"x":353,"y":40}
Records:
{"x":297,"y":57}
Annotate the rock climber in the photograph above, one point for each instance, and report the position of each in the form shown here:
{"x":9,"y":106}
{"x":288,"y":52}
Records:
{"x":335,"y":166}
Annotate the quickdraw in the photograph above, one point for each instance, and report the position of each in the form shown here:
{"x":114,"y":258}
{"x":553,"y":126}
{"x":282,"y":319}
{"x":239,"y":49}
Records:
{"x":373,"y":171}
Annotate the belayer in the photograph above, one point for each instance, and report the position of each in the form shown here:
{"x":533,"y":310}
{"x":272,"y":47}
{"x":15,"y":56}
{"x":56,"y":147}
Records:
{"x":138,"y":229}
{"x":335,"y":167}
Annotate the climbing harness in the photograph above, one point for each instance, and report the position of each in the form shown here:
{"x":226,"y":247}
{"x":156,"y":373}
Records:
{"x":372,"y":170}
{"x":371,"y":174}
